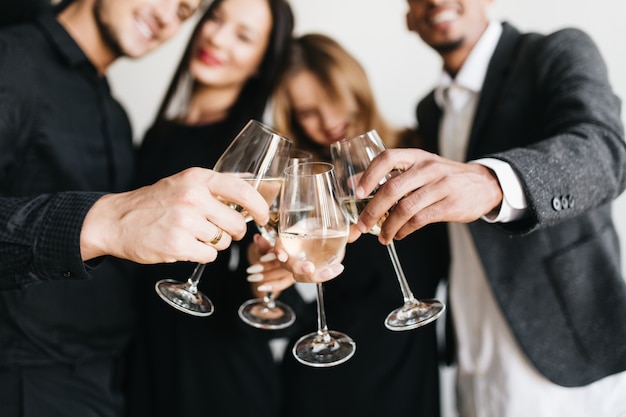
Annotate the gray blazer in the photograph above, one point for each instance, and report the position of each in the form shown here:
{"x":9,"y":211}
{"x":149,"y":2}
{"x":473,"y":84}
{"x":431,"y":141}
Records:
{"x":548,"y":110}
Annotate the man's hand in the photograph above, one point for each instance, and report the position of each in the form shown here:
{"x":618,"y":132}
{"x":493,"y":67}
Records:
{"x":178,"y":218}
{"x":430,"y":189}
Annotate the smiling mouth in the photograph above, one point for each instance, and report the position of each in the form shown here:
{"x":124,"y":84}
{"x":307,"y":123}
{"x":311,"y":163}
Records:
{"x":444,"y":16}
{"x":208,"y":58}
{"x":144,"y":29}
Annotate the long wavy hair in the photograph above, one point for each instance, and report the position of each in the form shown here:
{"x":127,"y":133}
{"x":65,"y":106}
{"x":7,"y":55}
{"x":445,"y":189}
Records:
{"x":257,"y":90}
{"x":336,"y":70}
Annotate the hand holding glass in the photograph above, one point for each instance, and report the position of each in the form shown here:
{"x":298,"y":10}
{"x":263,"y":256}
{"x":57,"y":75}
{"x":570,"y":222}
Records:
{"x":259,"y":156}
{"x":314,"y":227}
{"x":351,"y":157}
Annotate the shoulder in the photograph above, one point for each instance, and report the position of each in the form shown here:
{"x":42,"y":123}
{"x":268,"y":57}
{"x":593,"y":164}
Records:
{"x":564,"y":52}
{"x":21,"y":46}
{"x":563,"y":42}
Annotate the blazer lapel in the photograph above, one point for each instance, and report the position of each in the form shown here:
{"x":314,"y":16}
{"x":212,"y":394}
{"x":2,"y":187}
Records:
{"x":497,"y":73}
{"x":429,"y":116}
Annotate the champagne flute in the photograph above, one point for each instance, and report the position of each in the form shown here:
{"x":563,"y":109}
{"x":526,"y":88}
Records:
{"x":313,"y":227}
{"x":267,"y":312}
{"x":351,"y":157}
{"x":259,"y":156}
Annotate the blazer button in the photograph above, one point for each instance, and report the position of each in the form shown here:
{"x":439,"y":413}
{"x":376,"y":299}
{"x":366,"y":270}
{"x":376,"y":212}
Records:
{"x":565,"y":202}
{"x":556,"y":204}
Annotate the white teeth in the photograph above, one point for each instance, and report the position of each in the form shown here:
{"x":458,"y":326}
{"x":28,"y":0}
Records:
{"x":444,"y":16}
{"x":144,"y":30}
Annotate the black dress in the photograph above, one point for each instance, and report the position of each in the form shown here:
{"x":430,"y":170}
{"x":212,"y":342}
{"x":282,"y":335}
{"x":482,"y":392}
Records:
{"x":391,"y":373}
{"x":183,"y":365}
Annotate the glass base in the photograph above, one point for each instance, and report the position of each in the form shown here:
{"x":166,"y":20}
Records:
{"x":176,"y":294}
{"x":324,"y":350}
{"x":261,"y":314}
{"x":414,"y":314}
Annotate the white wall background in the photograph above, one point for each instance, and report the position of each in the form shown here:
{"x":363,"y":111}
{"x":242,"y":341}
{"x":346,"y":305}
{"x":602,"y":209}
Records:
{"x":401,"y":68}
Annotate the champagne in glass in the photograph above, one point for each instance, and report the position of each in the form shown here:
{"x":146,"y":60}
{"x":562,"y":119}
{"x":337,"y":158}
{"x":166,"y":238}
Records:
{"x":313,"y":227}
{"x":259,"y":156}
{"x":267,"y":312}
{"x":351,"y":157}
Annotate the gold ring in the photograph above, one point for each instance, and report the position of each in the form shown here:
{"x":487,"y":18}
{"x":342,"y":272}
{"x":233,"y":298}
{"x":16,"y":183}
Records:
{"x":217,"y":237}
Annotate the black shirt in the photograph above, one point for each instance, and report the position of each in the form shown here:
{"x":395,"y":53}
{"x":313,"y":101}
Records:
{"x":60,"y":130}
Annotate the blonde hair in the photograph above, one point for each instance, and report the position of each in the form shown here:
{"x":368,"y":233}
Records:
{"x":337,"y":70}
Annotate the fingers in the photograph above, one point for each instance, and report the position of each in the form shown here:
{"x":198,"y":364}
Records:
{"x":413,"y":211}
{"x":269,"y":275}
{"x":216,"y":237}
{"x":305,"y":271}
{"x":390,"y":192}
{"x":234,"y":190}
{"x":380,"y":166}
{"x":263,"y":244}
{"x":354,"y":233}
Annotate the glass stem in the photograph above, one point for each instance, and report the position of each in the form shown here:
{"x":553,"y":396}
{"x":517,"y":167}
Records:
{"x":192,"y":282}
{"x":404,"y":285}
{"x":322,"y":328}
{"x":269,"y":300}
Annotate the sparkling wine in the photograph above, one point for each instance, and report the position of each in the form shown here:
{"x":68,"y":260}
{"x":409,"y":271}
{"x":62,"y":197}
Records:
{"x":321,"y":247}
{"x":354,"y":207}
{"x":296,"y":214}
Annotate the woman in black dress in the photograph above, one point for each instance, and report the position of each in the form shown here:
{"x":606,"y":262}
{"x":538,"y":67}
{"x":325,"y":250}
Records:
{"x":183,"y":365}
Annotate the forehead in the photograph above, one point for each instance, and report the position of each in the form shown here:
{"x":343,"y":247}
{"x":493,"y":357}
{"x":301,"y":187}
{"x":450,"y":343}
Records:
{"x":305,"y":88}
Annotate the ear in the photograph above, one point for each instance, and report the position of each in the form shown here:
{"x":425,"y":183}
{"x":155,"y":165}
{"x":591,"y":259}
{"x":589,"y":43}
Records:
{"x":410,"y":22}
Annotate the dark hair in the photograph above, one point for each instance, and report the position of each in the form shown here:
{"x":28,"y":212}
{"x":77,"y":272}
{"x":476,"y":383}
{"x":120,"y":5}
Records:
{"x":257,"y":90}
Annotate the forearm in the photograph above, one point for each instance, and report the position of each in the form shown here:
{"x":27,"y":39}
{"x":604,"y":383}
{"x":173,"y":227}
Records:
{"x":40,"y":238}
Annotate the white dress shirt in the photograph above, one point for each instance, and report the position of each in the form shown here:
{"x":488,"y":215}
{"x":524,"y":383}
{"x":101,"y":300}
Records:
{"x":494,"y":377}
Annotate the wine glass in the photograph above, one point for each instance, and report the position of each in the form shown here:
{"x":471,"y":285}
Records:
{"x":314,"y":227}
{"x":351,"y":157}
{"x":267,"y":312}
{"x":259,"y":156}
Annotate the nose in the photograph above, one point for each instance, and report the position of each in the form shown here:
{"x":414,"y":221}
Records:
{"x":166,"y":10}
{"x":167,"y":16}
{"x":331,"y":119}
{"x":217,"y":35}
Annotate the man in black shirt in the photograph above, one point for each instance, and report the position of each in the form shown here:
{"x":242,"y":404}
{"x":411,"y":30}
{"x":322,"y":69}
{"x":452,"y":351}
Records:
{"x":66,"y":165}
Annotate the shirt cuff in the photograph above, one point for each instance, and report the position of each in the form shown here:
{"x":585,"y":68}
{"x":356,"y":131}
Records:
{"x":514,"y":203}
{"x":57,"y":248}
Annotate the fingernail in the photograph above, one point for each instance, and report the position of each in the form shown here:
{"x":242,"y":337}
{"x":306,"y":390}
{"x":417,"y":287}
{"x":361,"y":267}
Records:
{"x":268,"y":257}
{"x":255,"y":278}
{"x":282,"y":256}
{"x":331,"y":271}
{"x":255,"y":269}
{"x":361,"y":226}
{"x":308,"y":268}
{"x":360,"y":193}
{"x":264,"y":288}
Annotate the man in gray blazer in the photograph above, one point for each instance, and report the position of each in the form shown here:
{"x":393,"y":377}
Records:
{"x":532,"y":154}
